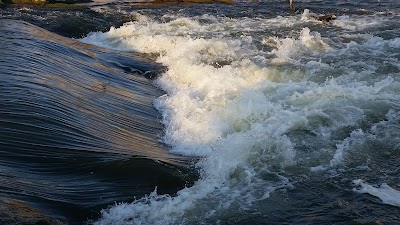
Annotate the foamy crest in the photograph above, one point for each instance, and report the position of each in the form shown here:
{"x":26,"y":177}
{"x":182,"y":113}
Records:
{"x":361,"y":22}
{"x":355,"y":136}
{"x":308,"y":16}
{"x":233,"y":104}
{"x":387,"y":194}
{"x":378,"y":43}
{"x":289,"y":49}
{"x":211,"y":110}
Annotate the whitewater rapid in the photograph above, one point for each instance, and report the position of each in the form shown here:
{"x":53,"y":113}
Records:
{"x":255,"y":103}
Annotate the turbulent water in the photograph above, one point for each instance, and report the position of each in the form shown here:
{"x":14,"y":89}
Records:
{"x":290,"y":120}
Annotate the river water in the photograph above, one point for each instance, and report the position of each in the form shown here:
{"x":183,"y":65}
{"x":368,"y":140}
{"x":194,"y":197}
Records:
{"x":210,"y":114}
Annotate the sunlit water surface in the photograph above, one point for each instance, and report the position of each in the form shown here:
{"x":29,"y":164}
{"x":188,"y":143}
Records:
{"x":290,"y":120}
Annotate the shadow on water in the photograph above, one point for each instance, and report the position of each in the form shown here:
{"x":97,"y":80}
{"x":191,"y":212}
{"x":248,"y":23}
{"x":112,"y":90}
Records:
{"x":78,"y":131}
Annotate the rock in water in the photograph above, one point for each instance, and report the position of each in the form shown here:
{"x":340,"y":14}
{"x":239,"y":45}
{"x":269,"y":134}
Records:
{"x":326,"y":18}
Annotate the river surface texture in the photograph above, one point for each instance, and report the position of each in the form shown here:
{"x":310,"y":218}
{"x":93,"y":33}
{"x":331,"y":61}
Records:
{"x":202,"y":113}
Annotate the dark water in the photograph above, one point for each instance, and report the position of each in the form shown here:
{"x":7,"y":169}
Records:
{"x":79,"y":131}
{"x":78,"y":126}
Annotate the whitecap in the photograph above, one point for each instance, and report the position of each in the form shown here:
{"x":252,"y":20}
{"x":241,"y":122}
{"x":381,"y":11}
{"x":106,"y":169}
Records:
{"x":387,"y":194}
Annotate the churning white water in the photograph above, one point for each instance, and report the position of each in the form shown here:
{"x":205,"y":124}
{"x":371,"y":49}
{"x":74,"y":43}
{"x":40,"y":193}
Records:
{"x":254,"y":102}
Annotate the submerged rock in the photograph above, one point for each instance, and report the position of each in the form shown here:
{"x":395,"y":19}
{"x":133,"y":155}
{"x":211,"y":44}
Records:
{"x":326,"y":18}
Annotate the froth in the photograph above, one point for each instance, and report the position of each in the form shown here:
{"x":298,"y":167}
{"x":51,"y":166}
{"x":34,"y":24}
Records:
{"x":249,"y":112}
{"x":289,"y":49}
{"x":387,"y":194}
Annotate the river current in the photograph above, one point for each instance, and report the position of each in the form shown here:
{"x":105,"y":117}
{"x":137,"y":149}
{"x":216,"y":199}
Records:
{"x":207,"y":114}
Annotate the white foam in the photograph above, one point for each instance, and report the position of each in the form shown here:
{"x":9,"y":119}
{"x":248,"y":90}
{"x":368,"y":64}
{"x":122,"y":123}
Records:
{"x":288,"y":49}
{"x":236,"y":105}
{"x":387,"y":194}
{"x":309,"y":16}
{"x":355,"y":136}
{"x":359,"y":23}
{"x":211,"y":109}
{"x":379,"y":44}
